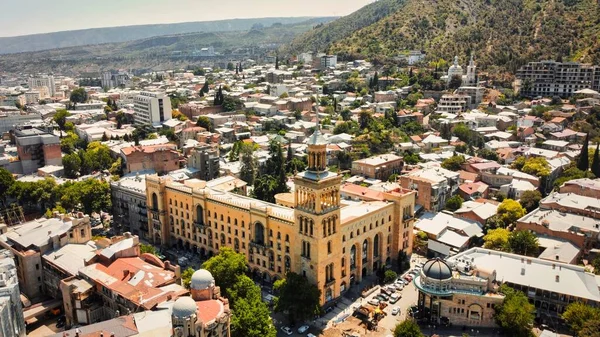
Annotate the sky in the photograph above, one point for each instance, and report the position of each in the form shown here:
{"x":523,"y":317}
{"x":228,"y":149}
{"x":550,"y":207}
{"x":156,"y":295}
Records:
{"x":23,"y":17}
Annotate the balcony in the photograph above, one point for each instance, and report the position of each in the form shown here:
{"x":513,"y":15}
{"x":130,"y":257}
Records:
{"x":258,"y":245}
{"x":200,"y":225}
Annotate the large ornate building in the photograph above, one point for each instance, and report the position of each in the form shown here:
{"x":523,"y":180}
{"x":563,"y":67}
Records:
{"x":333,"y":242}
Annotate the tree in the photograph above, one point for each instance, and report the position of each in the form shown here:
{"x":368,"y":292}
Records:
{"x":72,"y":165}
{"x":276,"y":62}
{"x":454,"y":203}
{"x":61,"y":118}
{"x":596,"y":162}
{"x":496,"y":239}
{"x":251,"y":317}
{"x":530,"y":200}
{"x":186,"y":277}
{"x":205,"y":88}
{"x":230,"y":66}
{"x":204,"y":122}
{"x":92,"y":194}
{"x":583,"y":161}
{"x":346,"y":114}
{"x":298,"y":297}
{"x":453,"y":163}
{"x":537,"y":166}
{"x":265,"y":188}
{"x":147,"y":249}
{"x":515,"y":314}
{"x":6,"y":182}
{"x":230,"y":104}
{"x":509,"y":211}
{"x":389,"y":276}
{"x":403,"y":261}
{"x":79,"y":95}
{"x":248,"y":164}
{"x":590,"y":328}
{"x":408,"y":328}
{"x":487,"y":154}
{"x":577,"y":314}
{"x":225,"y":267}
{"x":463,"y":132}
{"x":455,"y":82}
{"x":411,"y":158}
{"x":523,"y":242}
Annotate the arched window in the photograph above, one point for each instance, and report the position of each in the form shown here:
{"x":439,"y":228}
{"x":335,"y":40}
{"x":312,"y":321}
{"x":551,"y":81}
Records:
{"x":287,"y":238}
{"x":343,"y":238}
{"x":353,"y":257}
{"x":288,"y":263}
{"x":376,"y":246}
{"x":199,"y":215}
{"x":259,"y":233}
{"x":365,"y":247}
{"x":154,"y":202}
{"x":329,"y":247}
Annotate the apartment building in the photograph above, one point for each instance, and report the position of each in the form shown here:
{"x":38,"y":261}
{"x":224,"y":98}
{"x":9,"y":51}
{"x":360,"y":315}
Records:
{"x":328,"y":61}
{"x":161,"y":158}
{"x":152,"y":108}
{"x":37,"y":148}
{"x":12,"y":323}
{"x":585,"y":187}
{"x":205,"y":158}
{"x":378,"y":167}
{"x":128,"y":196}
{"x":434,"y":185}
{"x":30,"y":241}
{"x":453,"y":103}
{"x":278,"y":76}
{"x":44,"y":81}
{"x":474,"y":94}
{"x":550,"y":78}
{"x":333,"y":244}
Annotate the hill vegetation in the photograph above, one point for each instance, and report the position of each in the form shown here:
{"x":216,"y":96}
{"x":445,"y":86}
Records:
{"x":502,"y":34}
{"x":36,"y":42}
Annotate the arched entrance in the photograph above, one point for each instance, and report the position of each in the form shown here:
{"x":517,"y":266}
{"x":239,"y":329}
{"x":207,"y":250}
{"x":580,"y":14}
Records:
{"x":353,"y":257}
{"x":259,"y":233}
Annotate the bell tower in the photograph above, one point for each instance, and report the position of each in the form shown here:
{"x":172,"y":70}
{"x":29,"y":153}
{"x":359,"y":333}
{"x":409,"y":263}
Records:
{"x":317,"y":216}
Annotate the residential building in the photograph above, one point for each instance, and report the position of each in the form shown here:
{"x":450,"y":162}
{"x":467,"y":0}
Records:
{"x":549,"y":285}
{"x":162,"y":158}
{"x":152,"y":108}
{"x":328,"y":61}
{"x":585,"y":187}
{"x":10,"y":120}
{"x":44,"y":81}
{"x":37,"y":148}
{"x":333,"y":244}
{"x":205,"y":158}
{"x":119,"y":281}
{"x":30,"y":241}
{"x":550,"y":78}
{"x":448,"y":235}
{"x":474,"y":94}
{"x":434,"y":185}
{"x":12,"y":323}
{"x":462,"y":294}
{"x":453,"y":103}
{"x":480,"y":210}
{"x":128,"y":196}
{"x":378,"y":167}
{"x":278,"y":76}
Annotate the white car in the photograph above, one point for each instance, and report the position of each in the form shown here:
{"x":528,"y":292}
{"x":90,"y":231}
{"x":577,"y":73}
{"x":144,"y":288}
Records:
{"x":395,"y":297}
{"x":287,"y":330}
{"x":373,"y":301}
{"x":303,"y":328}
{"x":310,"y":335}
{"x":395,"y":311}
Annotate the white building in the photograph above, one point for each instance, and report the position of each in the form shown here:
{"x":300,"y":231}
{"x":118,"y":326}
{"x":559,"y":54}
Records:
{"x":328,"y":61}
{"x":152,"y":108}
{"x":43,"y":81}
{"x":12,"y":322}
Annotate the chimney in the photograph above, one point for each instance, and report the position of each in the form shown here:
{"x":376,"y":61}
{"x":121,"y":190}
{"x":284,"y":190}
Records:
{"x":523,"y":271}
{"x":557,"y":278}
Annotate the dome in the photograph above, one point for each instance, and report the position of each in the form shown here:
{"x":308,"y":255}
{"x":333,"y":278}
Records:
{"x":437,"y":269}
{"x":202,"y":279}
{"x":317,"y":138}
{"x":184,"y":307}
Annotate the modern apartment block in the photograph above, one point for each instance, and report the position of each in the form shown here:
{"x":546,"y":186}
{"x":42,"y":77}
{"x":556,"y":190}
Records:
{"x":37,"y":148}
{"x":550,"y":78}
{"x":453,"y":103}
{"x":43,"y":81}
{"x":378,"y":167}
{"x":151,"y":108}
{"x":205,"y":157}
{"x":128,"y":196}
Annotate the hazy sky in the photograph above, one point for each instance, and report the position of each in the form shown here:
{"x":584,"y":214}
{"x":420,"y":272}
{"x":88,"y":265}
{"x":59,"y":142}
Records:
{"x":22,"y":17}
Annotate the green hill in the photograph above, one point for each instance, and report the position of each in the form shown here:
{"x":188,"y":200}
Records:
{"x":502,"y":34}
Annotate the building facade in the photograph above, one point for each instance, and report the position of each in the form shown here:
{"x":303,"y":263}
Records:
{"x":37,"y":148}
{"x":161,"y":158}
{"x":378,"y":167}
{"x":152,"y":108}
{"x":128,"y":196}
{"x":12,"y":323}
{"x":205,"y":158}
{"x":46,"y":81}
{"x":550,"y":78}
{"x":333,"y":244}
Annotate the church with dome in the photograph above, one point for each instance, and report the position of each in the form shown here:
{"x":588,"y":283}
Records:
{"x":203,"y":314}
{"x":464,"y":295}
{"x":468,"y":79}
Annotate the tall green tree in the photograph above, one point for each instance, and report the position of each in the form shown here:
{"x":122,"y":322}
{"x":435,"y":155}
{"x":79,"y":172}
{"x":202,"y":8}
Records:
{"x":61,"y":118}
{"x":79,"y":95}
{"x":297,"y":297}
{"x":453,"y":163}
{"x":510,"y":211}
{"x":454,"y":203}
{"x":496,"y":239}
{"x":248,"y":164}
{"x":186,"y":277}
{"x":515,"y":314}
{"x":578,"y":313}
{"x":226,"y":267}
{"x":408,"y":328}
{"x":251,"y":316}
{"x":72,"y":165}
{"x":204,"y":122}
{"x":596,"y":162}
{"x":205,"y":88}
{"x":583,"y":161}
{"x":6,"y":182}
{"x":530,"y":199}
{"x":523,"y":242}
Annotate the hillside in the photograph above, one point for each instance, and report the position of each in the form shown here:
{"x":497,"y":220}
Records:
{"x":155,"y":53}
{"x":502,"y":34}
{"x":83,"y":37}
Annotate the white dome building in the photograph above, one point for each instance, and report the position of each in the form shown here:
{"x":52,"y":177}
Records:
{"x":455,"y":70}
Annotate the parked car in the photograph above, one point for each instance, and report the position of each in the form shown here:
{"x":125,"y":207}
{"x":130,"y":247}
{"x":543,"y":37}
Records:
{"x":287,"y":330}
{"x":310,"y":335}
{"x":384,"y":296}
{"x":395,"y":311}
{"x":373,"y":301}
{"x":303,"y":328}
{"x":385,"y":291}
{"x":395,"y":297}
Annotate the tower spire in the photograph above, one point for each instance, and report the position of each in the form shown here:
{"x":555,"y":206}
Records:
{"x":318,"y":127}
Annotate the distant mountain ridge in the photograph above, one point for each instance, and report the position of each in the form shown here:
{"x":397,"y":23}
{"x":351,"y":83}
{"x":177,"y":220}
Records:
{"x":74,"y":38}
{"x":501,"y":34}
